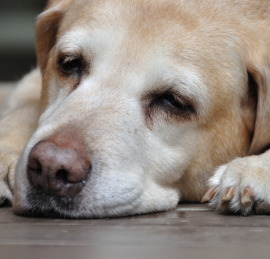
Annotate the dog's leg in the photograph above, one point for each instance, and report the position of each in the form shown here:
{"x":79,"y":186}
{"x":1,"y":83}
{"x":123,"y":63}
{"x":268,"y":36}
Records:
{"x":16,"y":126}
{"x":241,"y":186}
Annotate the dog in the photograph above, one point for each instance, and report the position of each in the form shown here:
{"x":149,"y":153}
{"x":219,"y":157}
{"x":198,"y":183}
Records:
{"x":139,"y":105}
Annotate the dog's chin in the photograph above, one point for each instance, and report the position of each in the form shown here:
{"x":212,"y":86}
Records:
{"x":42,"y":205}
{"x":46,"y":206}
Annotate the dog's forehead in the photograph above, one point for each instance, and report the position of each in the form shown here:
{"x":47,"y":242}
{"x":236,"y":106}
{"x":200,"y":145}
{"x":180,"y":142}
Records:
{"x":138,"y":12}
{"x":141,"y":23}
{"x":127,"y":33}
{"x":136,"y":29}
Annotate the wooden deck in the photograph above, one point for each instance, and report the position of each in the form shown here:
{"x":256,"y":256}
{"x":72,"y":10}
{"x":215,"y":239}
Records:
{"x":190,"y":231}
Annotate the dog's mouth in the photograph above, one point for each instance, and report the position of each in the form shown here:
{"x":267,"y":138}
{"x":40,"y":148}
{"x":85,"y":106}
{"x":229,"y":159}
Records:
{"x":98,"y":205}
{"x":50,"y":206}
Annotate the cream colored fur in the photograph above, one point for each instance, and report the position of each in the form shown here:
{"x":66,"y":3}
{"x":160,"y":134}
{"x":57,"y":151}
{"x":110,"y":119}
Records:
{"x":215,"y":54}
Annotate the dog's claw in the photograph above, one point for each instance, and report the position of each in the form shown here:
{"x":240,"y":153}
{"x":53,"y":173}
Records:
{"x":247,"y":201}
{"x":228,"y":194}
{"x":209,"y":195}
{"x":226,"y":199}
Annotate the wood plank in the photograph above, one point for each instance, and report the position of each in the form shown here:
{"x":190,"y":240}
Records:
{"x":196,"y":227}
{"x":135,"y":252}
{"x":190,"y":231}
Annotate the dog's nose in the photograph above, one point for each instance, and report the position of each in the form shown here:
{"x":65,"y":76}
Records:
{"x":57,"y":171}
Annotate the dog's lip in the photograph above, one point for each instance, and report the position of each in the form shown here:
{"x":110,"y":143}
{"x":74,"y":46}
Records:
{"x":38,"y":203}
{"x":41,"y":205}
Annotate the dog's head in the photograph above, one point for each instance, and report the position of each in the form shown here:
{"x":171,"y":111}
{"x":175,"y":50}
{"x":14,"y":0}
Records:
{"x":140,"y":102}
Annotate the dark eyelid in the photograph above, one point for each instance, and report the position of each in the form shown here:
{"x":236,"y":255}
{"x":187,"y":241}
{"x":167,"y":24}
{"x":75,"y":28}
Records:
{"x":185,"y":100}
{"x":180,"y":105}
{"x":153,"y":102}
{"x":68,"y":57}
{"x":64,"y":59}
{"x":180,"y":97}
{"x":69,"y":54}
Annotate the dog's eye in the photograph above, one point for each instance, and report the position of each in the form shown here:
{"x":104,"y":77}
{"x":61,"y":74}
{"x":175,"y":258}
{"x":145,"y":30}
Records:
{"x":71,"y":65}
{"x":173,"y":104}
{"x":168,"y":100}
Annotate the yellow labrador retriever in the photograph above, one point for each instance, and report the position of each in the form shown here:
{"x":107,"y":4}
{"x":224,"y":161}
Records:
{"x":139,"y":105}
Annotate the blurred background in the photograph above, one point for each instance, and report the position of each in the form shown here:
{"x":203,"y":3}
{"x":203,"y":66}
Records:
{"x":17,"y":37}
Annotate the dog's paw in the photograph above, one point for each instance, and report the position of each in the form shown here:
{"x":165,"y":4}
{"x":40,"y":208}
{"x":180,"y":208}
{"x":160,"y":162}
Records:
{"x":8,"y":160}
{"x":241,"y":186}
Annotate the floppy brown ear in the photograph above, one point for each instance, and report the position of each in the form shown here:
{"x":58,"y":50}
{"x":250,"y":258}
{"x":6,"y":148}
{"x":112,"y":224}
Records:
{"x":259,"y":69}
{"x":47,"y":28}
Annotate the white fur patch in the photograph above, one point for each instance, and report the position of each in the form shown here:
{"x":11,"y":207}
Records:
{"x":249,"y":172}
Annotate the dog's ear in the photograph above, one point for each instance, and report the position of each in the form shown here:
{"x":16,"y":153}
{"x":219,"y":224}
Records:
{"x":258,"y":67}
{"x":47,"y":28}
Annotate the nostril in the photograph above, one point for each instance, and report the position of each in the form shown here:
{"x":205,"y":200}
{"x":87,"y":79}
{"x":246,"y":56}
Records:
{"x":62,"y":175}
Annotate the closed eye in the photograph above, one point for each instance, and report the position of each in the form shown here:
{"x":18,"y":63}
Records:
{"x":71,"y":65}
{"x":172,"y":104}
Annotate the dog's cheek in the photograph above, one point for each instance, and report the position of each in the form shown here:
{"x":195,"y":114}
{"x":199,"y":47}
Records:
{"x":170,"y":150}
{"x":112,"y":193}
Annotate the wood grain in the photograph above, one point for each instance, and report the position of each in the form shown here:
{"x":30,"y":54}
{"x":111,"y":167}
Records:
{"x":190,"y":230}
